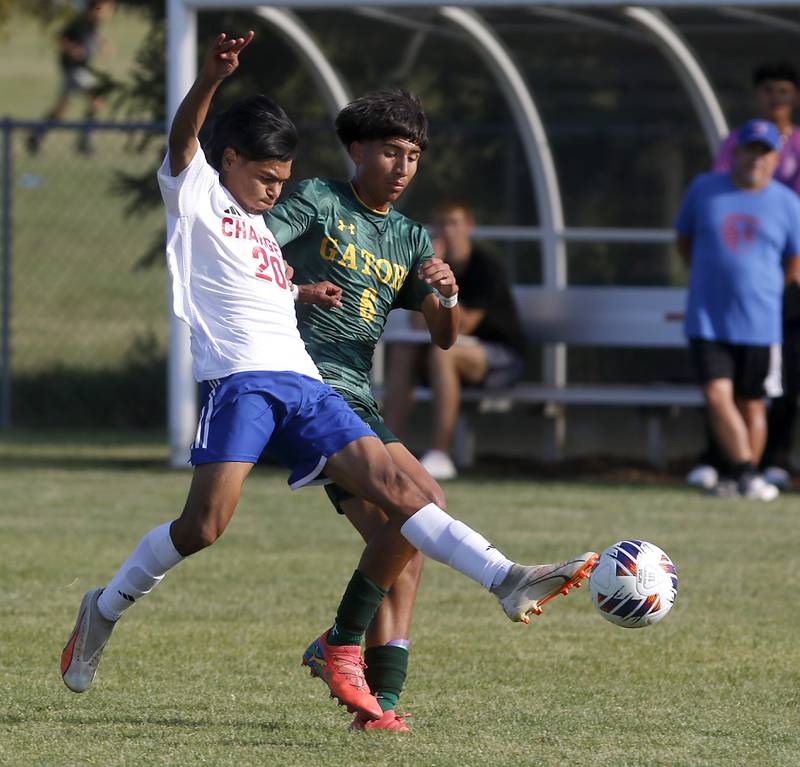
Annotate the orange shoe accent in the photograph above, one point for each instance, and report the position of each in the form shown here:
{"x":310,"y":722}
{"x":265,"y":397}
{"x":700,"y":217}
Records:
{"x":389,"y":721}
{"x":342,"y":669}
{"x":69,"y":648}
{"x":574,"y":582}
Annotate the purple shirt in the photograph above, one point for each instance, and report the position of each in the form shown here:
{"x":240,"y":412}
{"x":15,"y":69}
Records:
{"x":788,"y":171}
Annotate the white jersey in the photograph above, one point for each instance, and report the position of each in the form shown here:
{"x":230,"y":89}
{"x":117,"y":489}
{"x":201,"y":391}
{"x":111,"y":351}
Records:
{"x":228,"y":281}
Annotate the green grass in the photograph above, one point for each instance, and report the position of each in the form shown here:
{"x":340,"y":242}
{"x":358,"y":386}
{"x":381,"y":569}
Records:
{"x":29,"y":71}
{"x":78,"y":300}
{"x":207,"y":671}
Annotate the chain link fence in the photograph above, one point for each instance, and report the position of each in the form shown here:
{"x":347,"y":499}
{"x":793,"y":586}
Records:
{"x":84,"y":310}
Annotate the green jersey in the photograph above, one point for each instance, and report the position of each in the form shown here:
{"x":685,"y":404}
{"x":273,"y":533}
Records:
{"x":328,"y":233}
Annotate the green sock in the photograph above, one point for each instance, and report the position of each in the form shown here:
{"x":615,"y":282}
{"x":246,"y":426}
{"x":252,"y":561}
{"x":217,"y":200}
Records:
{"x":387,"y":668}
{"x":360,"y":602}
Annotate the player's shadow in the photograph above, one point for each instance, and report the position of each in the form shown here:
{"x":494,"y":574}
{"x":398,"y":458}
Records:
{"x":265,"y":733}
{"x":81,"y":462}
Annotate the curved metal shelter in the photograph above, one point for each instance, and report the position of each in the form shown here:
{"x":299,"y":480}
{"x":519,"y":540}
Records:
{"x":646,"y":21}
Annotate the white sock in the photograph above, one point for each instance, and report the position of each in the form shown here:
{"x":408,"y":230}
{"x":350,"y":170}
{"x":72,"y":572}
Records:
{"x":438,"y":536}
{"x":140,"y":574}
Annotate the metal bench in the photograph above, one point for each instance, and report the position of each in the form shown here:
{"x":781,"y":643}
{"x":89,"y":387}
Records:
{"x":596,"y":317}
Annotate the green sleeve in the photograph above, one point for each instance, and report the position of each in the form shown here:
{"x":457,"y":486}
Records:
{"x":292,"y":217}
{"x":414,"y":290}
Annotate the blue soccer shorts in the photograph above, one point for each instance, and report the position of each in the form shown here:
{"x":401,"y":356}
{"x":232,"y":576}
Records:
{"x":299,"y":420}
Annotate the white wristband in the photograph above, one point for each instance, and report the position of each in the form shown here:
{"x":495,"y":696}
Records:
{"x":448,"y":303}
{"x":295,"y":291}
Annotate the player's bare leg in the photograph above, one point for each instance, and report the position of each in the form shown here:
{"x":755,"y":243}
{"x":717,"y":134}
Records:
{"x":213,"y":496}
{"x":366,"y":469}
{"x":387,"y":637}
{"x":393,"y":619}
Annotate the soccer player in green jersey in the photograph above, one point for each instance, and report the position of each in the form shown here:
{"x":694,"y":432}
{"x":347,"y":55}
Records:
{"x":349,"y":234}
{"x":348,"y":241}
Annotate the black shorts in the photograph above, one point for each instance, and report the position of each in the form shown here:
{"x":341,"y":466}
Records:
{"x":504,"y":366}
{"x":754,"y":370}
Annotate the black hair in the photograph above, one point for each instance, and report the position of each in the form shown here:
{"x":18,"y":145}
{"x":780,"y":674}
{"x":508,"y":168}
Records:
{"x":381,"y":115}
{"x":256,"y":128}
{"x":779,"y":70}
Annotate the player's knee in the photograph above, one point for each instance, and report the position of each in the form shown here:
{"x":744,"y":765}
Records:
{"x":400,"y":490}
{"x":208,"y":534}
{"x":192,"y":533}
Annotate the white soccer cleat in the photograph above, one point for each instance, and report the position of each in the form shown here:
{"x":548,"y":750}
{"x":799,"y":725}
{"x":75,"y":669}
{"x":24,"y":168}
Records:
{"x":527,"y":588}
{"x":755,"y":488}
{"x":81,"y":655}
{"x":703,"y":476}
{"x":439,"y":465}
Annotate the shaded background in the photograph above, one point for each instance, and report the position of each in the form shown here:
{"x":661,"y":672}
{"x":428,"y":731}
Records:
{"x":88,"y":293}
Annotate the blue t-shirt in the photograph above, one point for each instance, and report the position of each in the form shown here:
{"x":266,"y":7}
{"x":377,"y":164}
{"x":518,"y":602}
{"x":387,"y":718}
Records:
{"x":739,"y":239}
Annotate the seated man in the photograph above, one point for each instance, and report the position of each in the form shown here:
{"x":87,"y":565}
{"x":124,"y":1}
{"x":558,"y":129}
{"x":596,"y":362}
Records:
{"x":490,"y":345}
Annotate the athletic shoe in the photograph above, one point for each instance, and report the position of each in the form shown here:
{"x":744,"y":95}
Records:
{"x":389,"y":721}
{"x":754,"y":488}
{"x":725,"y":488}
{"x":82,"y":653}
{"x":439,"y":465}
{"x":777,"y":476}
{"x":527,"y":588}
{"x":703,"y":476}
{"x":342,"y":669}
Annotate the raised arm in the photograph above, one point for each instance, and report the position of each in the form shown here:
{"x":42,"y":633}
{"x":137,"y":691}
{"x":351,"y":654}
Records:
{"x":220,"y":61}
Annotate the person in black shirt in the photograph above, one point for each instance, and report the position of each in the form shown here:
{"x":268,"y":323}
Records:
{"x":77,"y":43}
{"x":489,"y":348}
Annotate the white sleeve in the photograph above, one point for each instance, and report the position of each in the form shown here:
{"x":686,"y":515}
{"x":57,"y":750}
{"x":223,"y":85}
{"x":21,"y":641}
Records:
{"x":181,"y":192}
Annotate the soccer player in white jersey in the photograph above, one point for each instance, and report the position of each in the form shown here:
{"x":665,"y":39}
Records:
{"x":263,"y":390}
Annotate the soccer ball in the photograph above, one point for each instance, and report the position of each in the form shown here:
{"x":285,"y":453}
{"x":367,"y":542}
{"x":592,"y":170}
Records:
{"x":634,"y":584}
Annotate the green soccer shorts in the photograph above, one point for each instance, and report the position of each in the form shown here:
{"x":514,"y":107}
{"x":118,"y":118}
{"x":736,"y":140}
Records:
{"x":365,"y":407}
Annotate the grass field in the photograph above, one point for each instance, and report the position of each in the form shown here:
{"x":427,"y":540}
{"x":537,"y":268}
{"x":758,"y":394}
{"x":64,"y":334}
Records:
{"x":78,"y":299}
{"x":29,"y":74}
{"x":208,"y":672}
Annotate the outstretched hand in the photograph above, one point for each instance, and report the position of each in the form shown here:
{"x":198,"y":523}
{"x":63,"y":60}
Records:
{"x":222,"y":58}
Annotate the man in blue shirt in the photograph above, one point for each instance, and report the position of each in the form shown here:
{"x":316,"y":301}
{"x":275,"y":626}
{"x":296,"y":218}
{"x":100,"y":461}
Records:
{"x":740,"y":234}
